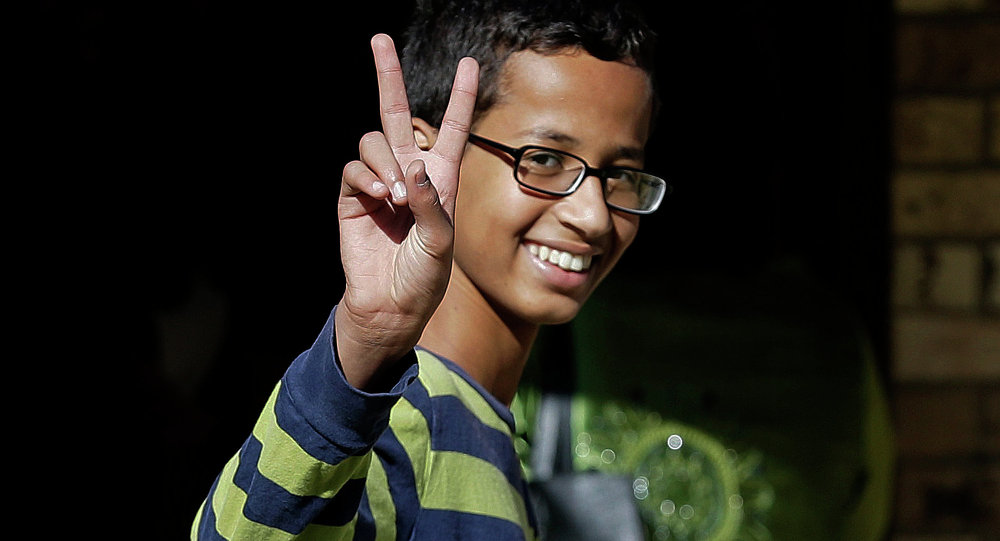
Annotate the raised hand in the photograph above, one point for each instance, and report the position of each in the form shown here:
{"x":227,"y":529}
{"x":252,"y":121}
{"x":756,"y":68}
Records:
{"x":396,"y":210}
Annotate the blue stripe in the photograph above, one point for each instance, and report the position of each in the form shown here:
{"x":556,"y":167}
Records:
{"x":402,"y":482}
{"x":270,"y":504}
{"x":364,"y":528}
{"x":502,"y":411}
{"x":296,"y":426}
{"x":529,"y":504}
{"x":417,"y":395}
{"x":443,"y":525}
{"x":320,"y":407}
{"x":446,"y":412}
{"x":206,"y":529}
{"x":475,"y":438}
{"x":341,"y":508}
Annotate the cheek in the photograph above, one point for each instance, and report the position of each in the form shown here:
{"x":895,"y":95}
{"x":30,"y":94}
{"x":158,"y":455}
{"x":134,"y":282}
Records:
{"x":491,"y":201}
{"x":626,"y":228}
{"x":482,"y":223}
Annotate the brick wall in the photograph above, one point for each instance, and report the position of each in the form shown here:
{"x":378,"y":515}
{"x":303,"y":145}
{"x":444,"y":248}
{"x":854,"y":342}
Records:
{"x":946,"y":271}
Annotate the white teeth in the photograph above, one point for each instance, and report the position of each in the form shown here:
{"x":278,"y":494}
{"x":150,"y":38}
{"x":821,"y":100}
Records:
{"x":564,"y":260}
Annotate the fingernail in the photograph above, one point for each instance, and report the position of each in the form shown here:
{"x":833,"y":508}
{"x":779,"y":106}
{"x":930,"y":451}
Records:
{"x":427,"y":180}
{"x":399,"y":190}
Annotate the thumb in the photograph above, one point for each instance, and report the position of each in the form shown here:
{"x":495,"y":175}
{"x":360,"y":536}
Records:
{"x":434,"y":228}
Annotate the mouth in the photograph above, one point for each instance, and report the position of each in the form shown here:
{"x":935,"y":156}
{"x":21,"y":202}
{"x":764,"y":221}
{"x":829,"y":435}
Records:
{"x":566,"y":261}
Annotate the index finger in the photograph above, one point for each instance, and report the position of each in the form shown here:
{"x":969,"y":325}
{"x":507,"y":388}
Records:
{"x":394,"y":106}
{"x":457,"y":121}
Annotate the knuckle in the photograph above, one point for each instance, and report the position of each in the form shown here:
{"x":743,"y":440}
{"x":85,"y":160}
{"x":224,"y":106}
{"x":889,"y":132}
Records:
{"x":370,"y":138}
{"x":390,"y":69}
{"x":350,"y":167}
{"x":447,"y":158}
{"x":396,"y":108}
{"x":455,"y":125}
{"x":465,"y":92}
{"x":356,"y":170}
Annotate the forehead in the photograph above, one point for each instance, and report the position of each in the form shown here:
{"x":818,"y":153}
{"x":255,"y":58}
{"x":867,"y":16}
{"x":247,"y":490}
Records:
{"x":574,"y":93}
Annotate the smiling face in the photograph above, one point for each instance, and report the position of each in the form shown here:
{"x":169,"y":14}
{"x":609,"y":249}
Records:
{"x":537,"y":258}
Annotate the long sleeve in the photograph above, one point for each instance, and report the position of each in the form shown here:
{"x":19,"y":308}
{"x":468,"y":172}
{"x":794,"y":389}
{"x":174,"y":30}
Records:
{"x":301,"y":473}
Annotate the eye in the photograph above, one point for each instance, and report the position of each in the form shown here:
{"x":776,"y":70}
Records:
{"x":543,"y":161}
{"x":622,"y":179}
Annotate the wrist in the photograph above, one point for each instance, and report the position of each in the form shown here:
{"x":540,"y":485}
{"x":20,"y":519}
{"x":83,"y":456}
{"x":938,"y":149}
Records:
{"x":370,"y":347}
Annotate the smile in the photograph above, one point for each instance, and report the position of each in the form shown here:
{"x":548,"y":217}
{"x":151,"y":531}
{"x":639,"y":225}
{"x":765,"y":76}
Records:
{"x":564,"y":260}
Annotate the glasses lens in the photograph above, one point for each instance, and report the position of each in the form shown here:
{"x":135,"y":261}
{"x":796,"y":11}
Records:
{"x":634,"y":190}
{"x":555,"y":172}
{"x":549,"y":170}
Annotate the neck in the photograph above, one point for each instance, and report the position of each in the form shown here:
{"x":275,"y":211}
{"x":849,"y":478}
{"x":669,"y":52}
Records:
{"x":492,"y":348}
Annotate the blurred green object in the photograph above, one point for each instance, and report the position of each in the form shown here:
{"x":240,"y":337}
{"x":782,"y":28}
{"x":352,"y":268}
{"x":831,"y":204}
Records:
{"x":743,"y":410}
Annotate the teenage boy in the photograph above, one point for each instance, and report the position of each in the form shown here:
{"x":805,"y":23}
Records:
{"x":395,"y":423}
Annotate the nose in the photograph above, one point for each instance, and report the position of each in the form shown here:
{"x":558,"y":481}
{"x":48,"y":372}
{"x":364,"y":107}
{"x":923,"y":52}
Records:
{"x":585,"y":210}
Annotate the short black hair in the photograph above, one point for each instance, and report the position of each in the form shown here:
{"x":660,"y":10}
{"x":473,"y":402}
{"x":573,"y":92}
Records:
{"x":441,"y":32}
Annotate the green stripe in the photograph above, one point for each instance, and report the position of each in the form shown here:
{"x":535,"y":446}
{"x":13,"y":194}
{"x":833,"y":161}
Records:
{"x":380,"y":501}
{"x":410,"y":428}
{"x":440,"y":381}
{"x":315,"y":532}
{"x":469,"y":484}
{"x":228,"y":502}
{"x":231,"y":523}
{"x":283,"y":460}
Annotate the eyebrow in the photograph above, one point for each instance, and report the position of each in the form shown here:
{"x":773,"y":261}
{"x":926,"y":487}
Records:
{"x":542,"y":133}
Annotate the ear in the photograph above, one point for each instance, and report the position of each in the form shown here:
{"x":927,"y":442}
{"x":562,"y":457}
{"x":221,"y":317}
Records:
{"x":424,"y":133}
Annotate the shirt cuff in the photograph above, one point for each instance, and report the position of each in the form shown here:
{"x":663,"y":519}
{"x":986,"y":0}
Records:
{"x":350,"y":418}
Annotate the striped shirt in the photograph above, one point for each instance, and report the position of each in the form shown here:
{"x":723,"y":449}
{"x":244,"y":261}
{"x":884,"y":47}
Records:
{"x":433,"y":458}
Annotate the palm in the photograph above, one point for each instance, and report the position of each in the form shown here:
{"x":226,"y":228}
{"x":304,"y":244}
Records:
{"x":397,"y":255}
{"x":383,"y":251}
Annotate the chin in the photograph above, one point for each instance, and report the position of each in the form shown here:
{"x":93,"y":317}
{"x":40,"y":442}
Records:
{"x":556,"y":312}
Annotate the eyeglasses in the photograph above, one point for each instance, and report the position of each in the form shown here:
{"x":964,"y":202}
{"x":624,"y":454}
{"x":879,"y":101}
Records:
{"x":554,"y":172}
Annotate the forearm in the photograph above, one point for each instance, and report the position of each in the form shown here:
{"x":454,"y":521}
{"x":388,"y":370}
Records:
{"x":304,"y":465}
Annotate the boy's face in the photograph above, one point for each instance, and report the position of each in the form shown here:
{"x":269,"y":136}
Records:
{"x":574,"y":102}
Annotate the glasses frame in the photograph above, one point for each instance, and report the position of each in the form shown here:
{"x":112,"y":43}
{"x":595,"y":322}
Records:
{"x":588,"y":171}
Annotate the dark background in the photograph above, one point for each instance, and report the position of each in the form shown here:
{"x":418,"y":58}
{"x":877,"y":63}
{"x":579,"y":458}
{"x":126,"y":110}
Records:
{"x":199,"y":144}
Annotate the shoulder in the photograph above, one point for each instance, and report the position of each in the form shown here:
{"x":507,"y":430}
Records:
{"x":444,"y":398}
{"x":448,"y":389}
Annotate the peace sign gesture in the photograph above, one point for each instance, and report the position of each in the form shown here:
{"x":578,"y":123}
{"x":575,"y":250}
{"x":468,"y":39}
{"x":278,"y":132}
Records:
{"x":396,"y":212}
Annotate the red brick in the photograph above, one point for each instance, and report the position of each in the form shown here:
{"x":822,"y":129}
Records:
{"x":995,"y":128}
{"x":937,"y":537}
{"x":936,"y":421}
{"x":936,"y":6}
{"x":991,"y":422}
{"x":956,"y":496}
{"x":938,"y":130}
{"x":909,"y":275}
{"x":941,"y":203}
{"x":993,"y":288}
{"x":956,"y":276}
{"x":935,"y":347}
{"x":948,"y":55}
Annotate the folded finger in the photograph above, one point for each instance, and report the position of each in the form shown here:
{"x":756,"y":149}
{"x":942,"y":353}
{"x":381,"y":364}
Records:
{"x":377,"y":154}
{"x":358,"y":179}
